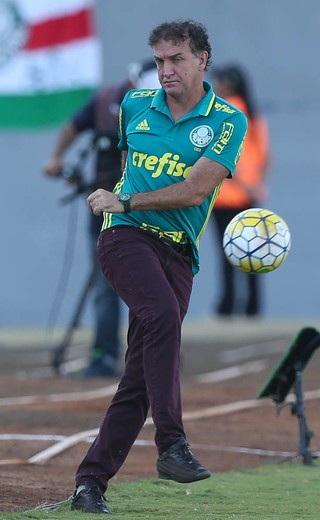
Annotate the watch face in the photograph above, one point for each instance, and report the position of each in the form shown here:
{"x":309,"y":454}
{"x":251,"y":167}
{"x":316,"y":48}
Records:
{"x":125,"y":199}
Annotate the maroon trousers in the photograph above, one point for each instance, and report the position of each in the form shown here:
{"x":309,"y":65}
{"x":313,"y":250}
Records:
{"x":155,"y":280}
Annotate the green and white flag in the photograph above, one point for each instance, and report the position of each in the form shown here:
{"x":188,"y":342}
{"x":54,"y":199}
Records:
{"x":50,"y":60}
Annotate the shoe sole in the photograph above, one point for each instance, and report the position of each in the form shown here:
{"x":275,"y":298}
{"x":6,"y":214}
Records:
{"x":90,"y":512}
{"x":181,"y":480}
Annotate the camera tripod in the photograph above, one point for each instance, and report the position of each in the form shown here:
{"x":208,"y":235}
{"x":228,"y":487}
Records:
{"x":74,"y":176}
{"x":58,"y":353}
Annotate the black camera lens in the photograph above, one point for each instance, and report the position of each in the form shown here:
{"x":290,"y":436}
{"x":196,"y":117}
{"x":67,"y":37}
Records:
{"x":70,"y":174}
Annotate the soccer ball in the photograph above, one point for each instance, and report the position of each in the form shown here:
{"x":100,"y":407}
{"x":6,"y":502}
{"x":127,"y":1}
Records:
{"x":256,"y":241}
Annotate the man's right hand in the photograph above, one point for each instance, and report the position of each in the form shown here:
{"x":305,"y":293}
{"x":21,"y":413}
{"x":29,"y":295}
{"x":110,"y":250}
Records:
{"x":66,"y":137}
{"x":53,"y":167}
{"x":103,"y":200}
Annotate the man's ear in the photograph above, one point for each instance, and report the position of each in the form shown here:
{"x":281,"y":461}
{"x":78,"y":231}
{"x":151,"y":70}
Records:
{"x":203,"y":58}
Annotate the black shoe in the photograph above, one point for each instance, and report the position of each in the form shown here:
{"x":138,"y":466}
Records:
{"x":90,"y":500}
{"x":99,"y":370}
{"x":178,"y":463}
{"x":224,"y":310}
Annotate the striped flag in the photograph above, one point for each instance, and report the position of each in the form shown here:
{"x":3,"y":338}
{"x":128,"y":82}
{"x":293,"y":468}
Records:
{"x":50,"y":60}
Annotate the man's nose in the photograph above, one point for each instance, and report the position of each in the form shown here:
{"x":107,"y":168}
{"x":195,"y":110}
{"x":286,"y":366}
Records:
{"x":167,"y":69}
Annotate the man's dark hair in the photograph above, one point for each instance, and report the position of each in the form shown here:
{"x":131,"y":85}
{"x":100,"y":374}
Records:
{"x":181,"y":30}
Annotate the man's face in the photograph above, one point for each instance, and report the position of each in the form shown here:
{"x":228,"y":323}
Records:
{"x":179,"y":69}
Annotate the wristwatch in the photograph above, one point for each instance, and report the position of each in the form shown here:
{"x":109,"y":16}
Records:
{"x":125,"y":199}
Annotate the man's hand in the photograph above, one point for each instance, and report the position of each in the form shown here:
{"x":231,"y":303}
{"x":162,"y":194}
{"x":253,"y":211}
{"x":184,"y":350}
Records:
{"x":103,"y":200}
{"x":66,"y":137}
{"x":53,"y":167}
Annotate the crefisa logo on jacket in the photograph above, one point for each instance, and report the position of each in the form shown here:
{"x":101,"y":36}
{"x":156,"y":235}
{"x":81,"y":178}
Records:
{"x":13,"y":30}
{"x":201,"y":136}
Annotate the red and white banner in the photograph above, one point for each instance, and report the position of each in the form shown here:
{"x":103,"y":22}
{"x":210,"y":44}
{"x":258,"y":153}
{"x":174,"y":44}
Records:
{"x":50,"y":60}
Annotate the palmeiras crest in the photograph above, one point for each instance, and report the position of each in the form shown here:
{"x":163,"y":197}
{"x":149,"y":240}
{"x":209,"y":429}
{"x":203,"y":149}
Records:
{"x":201,"y":135}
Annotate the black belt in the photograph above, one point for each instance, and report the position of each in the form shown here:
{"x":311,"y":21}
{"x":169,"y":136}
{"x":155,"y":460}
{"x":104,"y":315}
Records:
{"x":177,"y":246}
{"x":181,"y":248}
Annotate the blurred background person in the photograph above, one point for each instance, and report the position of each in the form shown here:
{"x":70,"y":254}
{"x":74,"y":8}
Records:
{"x":247,"y":189}
{"x":100,"y":116}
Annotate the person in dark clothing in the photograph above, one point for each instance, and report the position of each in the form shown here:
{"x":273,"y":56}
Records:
{"x":178,"y":147}
{"x":247,"y":189}
{"x":100,"y":115}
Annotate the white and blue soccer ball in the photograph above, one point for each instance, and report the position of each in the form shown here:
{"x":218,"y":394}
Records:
{"x":256,"y":241}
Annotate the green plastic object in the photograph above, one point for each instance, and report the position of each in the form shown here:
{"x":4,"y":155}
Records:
{"x":295,"y":358}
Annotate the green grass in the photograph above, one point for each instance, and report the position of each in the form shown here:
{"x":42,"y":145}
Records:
{"x":272,"y":492}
